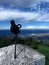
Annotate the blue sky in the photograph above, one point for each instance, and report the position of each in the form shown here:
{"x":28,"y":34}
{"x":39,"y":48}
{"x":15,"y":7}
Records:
{"x":32,"y":14}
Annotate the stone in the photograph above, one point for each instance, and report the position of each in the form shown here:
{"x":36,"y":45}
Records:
{"x":29,"y":57}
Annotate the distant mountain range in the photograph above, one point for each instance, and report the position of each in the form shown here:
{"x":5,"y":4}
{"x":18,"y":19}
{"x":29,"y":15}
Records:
{"x":25,"y":32}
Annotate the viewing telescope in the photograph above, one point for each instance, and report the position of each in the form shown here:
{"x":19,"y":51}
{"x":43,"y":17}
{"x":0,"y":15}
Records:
{"x":16,"y":30}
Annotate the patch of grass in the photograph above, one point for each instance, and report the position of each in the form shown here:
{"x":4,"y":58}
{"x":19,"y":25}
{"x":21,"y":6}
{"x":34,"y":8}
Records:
{"x":44,"y":50}
{"x":5,"y":41}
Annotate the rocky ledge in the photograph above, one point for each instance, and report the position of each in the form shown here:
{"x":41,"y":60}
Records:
{"x":29,"y":57}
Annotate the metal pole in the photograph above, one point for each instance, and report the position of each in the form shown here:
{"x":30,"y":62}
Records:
{"x":15,"y":52}
{"x":15,"y":56}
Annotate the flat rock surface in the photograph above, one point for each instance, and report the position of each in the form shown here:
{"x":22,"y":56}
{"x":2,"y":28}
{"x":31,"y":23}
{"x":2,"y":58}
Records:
{"x":29,"y":57}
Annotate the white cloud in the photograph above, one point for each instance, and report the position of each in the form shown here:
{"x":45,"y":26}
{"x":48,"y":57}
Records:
{"x":43,"y":17}
{"x":6,"y":14}
{"x":30,"y":27}
{"x":36,"y":27}
{"x":43,"y":27}
{"x":13,"y":14}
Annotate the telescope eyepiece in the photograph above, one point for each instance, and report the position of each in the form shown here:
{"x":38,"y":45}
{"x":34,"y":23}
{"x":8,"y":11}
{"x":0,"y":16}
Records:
{"x":19,"y":25}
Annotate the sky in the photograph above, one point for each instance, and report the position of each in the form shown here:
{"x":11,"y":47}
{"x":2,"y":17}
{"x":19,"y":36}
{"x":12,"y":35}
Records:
{"x":31,"y":14}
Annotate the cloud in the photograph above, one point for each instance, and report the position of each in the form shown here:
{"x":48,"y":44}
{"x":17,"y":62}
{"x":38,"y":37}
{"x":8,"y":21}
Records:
{"x":36,"y":27}
{"x":43,"y":17}
{"x":7,"y":14}
{"x":30,"y":27}
{"x":43,"y":27}
{"x":1,"y":8}
{"x":44,"y":0}
{"x":21,"y":3}
{"x":14,"y":14}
